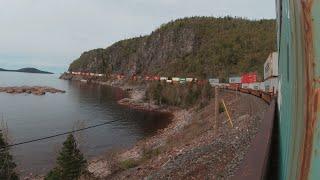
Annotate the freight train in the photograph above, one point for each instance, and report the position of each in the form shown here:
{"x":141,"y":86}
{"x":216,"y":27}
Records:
{"x":248,"y":83}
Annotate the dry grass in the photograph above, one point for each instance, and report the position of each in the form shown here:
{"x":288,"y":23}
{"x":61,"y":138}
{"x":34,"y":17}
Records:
{"x":128,"y":164}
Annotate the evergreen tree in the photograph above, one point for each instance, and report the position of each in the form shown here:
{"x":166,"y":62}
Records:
{"x":70,"y":162}
{"x":7,"y":166}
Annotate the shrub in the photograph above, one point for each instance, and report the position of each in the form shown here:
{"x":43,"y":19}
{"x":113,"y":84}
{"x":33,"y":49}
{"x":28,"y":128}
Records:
{"x":221,"y":108}
{"x":181,"y":95}
{"x":7,"y":165}
{"x":150,"y":153}
{"x":128,"y":164}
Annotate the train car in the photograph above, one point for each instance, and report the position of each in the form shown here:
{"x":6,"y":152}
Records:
{"x":254,"y":86}
{"x":271,"y":85}
{"x":214,"y":82}
{"x":156,"y":78}
{"x":189,"y":80}
{"x":176,"y":80}
{"x":245,"y":85}
{"x":169,"y":81}
{"x":298,"y":24}
{"x":163,"y":78}
{"x":259,"y":86}
{"x":183,"y":80}
{"x":147,"y":78}
{"x":262,"y":86}
{"x":249,"y":77}
{"x":235,"y":80}
{"x":120,"y":76}
{"x":134,"y":78}
{"x":234,"y":86}
{"x":270,"y":68}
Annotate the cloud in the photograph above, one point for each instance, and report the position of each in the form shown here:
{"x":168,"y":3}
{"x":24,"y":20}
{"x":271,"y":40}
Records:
{"x":58,"y":31}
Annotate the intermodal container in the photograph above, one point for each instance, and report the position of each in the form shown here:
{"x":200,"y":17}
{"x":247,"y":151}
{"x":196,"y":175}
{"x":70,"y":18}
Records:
{"x":254,"y":86}
{"x":163,"y":78}
{"x":176,"y":79}
{"x":147,"y":78}
{"x":183,"y":80}
{"x":262,"y":86}
{"x":235,"y":80}
{"x":249,"y":78}
{"x":271,"y":85}
{"x":189,"y":79}
{"x":214,"y":81}
{"x":245,"y":85}
{"x":271,"y":66}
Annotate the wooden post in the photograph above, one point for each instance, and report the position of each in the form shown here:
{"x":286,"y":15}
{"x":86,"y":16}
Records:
{"x":272,"y":91}
{"x":237,"y":95}
{"x":249,"y":106}
{"x":216,"y":110}
{"x":227,"y":112}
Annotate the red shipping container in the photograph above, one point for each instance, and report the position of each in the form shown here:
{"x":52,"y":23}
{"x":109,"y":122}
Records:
{"x":147,"y":78}
{"x":249,"y":78}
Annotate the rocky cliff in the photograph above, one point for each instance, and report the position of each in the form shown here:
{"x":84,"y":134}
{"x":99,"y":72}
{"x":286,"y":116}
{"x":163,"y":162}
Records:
{"x":197,"y":46}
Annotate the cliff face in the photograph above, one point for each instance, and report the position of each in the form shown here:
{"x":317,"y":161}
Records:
{"x":199,"y":46}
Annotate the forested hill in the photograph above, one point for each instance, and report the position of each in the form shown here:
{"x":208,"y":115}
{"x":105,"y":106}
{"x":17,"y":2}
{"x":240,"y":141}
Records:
{"x":197,"y":46}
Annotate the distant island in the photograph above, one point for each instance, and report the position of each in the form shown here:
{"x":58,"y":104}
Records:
{"x":27,"y":70}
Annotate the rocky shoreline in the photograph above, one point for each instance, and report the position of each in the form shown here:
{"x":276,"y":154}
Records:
{"x":188,"y":147}
{"x":136,"y":93}
{"x":35,"y":90}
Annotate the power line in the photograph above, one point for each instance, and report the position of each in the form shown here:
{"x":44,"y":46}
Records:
{"x":56,"y":135}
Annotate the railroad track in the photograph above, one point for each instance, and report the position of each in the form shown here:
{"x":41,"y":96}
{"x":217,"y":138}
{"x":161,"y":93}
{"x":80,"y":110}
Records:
{"x":255,"y":165}
{"x":267,"y":97}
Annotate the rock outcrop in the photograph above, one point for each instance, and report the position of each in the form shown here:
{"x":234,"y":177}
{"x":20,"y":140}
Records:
{"x":35,"y":90}
{"x":198,"y":46}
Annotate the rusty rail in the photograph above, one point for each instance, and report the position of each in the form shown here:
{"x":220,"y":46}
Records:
{"x":254,"y":166}
{"x":267,"y":97}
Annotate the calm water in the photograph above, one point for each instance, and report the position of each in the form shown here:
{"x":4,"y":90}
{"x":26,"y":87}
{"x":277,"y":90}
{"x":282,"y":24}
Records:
{"x":30,"y":117}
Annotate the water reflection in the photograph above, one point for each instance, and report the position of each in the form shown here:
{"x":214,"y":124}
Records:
{"x":31,"y":117}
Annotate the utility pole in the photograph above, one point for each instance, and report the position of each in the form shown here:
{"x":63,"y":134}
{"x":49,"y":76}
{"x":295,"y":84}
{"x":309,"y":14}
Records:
{"x":216,"y":110}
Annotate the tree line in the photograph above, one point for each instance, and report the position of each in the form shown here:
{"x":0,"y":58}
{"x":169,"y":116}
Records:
{"x":200,"y":47}
{"x":70,"y":163}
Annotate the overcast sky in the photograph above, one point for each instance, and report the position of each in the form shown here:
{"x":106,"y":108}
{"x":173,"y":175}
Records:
{"x":49,"y":34}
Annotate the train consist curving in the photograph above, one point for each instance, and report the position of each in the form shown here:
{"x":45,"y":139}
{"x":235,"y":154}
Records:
{"x":248,"y":83}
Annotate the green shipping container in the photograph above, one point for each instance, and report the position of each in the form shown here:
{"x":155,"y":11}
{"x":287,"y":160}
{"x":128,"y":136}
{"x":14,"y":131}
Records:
{"x":183,"y":80}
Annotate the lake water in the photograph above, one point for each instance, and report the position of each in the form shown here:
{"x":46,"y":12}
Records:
{"x":30,"y":117}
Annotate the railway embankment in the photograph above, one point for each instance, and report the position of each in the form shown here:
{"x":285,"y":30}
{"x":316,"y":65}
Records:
{"x":189,"y":147}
